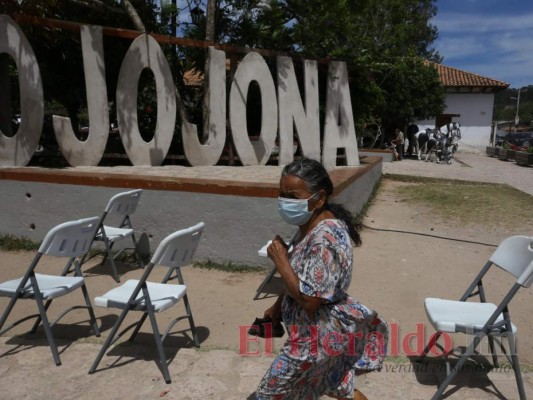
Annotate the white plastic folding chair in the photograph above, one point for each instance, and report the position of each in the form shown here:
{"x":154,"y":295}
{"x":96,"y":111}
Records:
{"x":122,"y":205}
{"x":482,"y":319}
{"x":174,"y":252}
{"x":262,"y":252}
{"x":68,"y":240}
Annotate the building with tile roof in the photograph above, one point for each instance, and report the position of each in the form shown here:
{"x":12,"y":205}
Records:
{"x":459,"y":81}
{"x":469,"y":101}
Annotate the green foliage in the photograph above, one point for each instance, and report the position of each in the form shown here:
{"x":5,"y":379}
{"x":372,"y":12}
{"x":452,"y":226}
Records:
{"x":505,"y":103}
{"x":15,"y":243}
{"x":384,"y":43}
{"x":226,"y":267}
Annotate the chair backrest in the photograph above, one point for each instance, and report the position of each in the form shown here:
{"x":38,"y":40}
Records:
{"x":70,"y":239}
{"x":124,"y":203}
{"x":178,"y":248}
{"x":515,"y":255}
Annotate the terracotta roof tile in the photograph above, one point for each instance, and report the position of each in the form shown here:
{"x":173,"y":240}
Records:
{"x":453,"y":77}
{"x":449,"y":76}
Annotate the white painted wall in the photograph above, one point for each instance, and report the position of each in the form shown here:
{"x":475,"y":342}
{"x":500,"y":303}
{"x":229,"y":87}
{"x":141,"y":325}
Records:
{"x":236,"y":226}
{"x":475,"y":110}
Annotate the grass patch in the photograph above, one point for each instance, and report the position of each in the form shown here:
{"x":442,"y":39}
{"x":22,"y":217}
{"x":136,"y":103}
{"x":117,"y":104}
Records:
{"x":14,"y":243}
{"x":226,"y":267}
{"x":469,"y":202}
{"x":360,"y":217}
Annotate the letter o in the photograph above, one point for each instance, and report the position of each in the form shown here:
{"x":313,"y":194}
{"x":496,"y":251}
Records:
{"x":18,"y":150}
{"x":253,"y":68}
{"x":145,"y":52}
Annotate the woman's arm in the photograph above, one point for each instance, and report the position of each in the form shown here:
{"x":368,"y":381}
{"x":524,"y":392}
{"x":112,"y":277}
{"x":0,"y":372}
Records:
{"x":274,"y":311}
{"x":277,"y":251}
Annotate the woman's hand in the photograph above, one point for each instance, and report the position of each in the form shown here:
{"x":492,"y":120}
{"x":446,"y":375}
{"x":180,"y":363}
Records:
{"x":273,"y":312}
{"x":278,"y":251}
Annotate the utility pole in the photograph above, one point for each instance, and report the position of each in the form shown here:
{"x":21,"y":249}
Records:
{"x":173,"y":27}
{"x":517,"y":118}
{"x":210,"y":37}
{"x":210,"y":21}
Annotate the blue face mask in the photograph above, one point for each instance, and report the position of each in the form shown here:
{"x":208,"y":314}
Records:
{"x":295,"y":211}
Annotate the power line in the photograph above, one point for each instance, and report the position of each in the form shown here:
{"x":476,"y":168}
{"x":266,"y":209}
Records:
{"x":429,"y":235}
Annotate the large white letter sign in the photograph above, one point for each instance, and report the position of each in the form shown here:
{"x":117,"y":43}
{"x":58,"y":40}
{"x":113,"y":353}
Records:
{"x":292,"y":113}
{"x":88,"y":152}
{"x":339,"y":128}
{"x":18,"y":150}
{"x":145,"y":52}
{"x":209,"y":153}
{"x":253,"y":68}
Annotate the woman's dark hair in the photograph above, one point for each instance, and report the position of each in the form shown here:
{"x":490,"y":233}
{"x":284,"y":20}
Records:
{"x":317,"y":178}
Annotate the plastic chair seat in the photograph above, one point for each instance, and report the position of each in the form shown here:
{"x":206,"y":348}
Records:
{"x":162,"y":295}
{"x":50,"y":286}
{"x":460,"y":316}
{"x":114,"y":233}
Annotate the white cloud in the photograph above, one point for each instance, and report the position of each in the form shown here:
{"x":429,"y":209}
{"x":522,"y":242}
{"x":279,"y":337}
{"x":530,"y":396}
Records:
{"x":458,"y":23}
{"x":461,"y":47}
{"x":499,"y":47}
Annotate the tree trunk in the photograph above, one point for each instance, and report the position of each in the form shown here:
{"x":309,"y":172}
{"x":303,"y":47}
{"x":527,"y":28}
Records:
{"x":210,"y":37}
{"x":134,"y":16}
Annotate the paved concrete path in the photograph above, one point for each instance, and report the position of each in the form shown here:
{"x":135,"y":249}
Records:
{"x":27,"y":372}
{"x":470,"y":167}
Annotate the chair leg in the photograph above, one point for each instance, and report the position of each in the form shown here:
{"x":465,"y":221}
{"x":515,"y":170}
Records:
{"x":516,"y":366}
{"x":38,"y":320}
{"x":430,"y":345}
{"x":159,"y":344}
{"x":47,"y":329}
{"x":469,"y":351}
{"x":91,"y":310}
{"x":109,"y":340}
{"x":493,"y":352}
{"x":6,"y":313}
{"x":108,"y":248}
{"x":135,"y":250}
{"x":138,"y":327}
{"x":267,"y":279}
{"x":191,"y":321}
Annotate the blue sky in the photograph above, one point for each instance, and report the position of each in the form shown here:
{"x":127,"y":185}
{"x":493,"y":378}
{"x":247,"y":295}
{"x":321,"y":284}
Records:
{"x":493,"y":38}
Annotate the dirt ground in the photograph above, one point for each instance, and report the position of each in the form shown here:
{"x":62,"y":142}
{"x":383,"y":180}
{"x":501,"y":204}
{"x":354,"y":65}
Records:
{"x":393,"y":274}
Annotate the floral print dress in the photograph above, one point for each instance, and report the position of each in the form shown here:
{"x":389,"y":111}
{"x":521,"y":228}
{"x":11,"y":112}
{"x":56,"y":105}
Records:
{"x":324,"y":353}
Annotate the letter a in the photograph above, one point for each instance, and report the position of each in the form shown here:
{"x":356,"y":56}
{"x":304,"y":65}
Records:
{"x":339,"y":128}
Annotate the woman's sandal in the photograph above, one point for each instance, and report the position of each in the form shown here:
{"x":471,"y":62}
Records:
{"x":357,"y":395}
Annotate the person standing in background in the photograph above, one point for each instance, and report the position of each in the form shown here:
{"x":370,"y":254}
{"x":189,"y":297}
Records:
{"x":399,"y":143}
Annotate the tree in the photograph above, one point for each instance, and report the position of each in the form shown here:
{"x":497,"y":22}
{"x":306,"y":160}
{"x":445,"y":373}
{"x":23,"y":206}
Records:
{"x":384,"y":43}
{"x":505,"y":103}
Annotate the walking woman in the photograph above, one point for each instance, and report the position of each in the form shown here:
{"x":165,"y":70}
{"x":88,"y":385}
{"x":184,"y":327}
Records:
{"x":332,"y":337}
